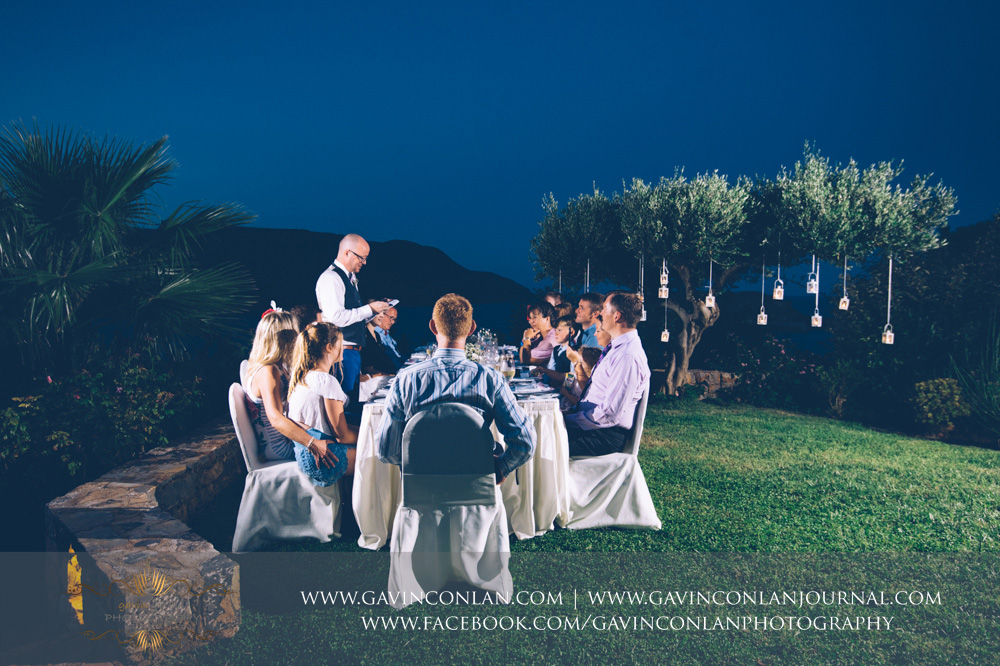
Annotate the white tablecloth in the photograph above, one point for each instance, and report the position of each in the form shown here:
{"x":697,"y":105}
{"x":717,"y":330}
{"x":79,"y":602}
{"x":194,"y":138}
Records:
{"x":534,"y":496}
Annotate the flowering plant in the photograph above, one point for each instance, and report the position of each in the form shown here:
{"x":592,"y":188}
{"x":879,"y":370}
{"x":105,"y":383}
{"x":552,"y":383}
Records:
{"x":473,"y":351}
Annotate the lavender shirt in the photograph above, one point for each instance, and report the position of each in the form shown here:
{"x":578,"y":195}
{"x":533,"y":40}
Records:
{"x":615,"y":387}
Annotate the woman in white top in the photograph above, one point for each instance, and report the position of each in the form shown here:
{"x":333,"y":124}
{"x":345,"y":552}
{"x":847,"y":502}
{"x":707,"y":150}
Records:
{"x":316,"y":401}
{"x":266,"y":386}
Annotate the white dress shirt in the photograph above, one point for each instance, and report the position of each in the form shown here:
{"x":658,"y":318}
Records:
{"x":330,"y":297}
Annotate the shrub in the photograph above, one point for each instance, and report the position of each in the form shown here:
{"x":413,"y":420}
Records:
{"x":937,"y":402}
{"x":84,"y":424}
{"x":839,"y":380}
{"x":770,"y":373}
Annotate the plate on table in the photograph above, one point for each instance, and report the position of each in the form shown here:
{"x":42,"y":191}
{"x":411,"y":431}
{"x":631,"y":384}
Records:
{"x":532,"y":390}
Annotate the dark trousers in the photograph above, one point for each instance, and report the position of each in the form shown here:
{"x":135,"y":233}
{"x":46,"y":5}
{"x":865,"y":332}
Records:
{"x":595,"y":442}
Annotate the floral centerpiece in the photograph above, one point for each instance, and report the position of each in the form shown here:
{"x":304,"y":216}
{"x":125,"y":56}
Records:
{"x":473,"y":351}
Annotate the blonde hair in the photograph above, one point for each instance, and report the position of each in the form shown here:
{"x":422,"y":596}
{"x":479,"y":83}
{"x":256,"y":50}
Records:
{"x":273,"y":341}
{"x":310,"y":348}
{"x":453,"y":316}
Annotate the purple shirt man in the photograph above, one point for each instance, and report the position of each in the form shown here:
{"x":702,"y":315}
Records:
{"x":615,"y":387}
{"x":602,"y":419}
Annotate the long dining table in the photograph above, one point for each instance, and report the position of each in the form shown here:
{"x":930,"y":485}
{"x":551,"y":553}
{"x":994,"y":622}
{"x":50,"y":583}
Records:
{"x":534,"y":496}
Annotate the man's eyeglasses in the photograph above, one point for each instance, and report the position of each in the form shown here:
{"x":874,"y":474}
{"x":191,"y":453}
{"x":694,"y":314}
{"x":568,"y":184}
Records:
{"x":390,"y":318}
{"x":364,"y":259}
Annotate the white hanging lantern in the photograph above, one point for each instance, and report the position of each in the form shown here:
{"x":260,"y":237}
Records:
{"x":710,"y":299}
{"x":664,"y":292}
{"x":779,"y":285}
{"x":642,"y":284}
{"x":665,"y":335}
{"x":845,"y":302}
{"x":812,"y":285}
{"x":664,"y":275}
{"x":888,"y":337}
{"x":817,"y":320}
{"x":762,"y":317}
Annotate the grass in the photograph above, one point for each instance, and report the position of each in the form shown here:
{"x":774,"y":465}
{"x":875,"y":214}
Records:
{"x":750,"y":499}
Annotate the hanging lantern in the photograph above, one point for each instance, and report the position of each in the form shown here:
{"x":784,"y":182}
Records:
{"x":665,"y":336}
{"x":762,"y":317}
{"x":642,"y":284}
{"x":710,"y":299}
{"x":812,"y":285}
{"x":845,"y":302}
{"x":664,"y":292}
{"x":817,"y":320}
{"x":779,"y":290}
{"x":664,"y":275}
{"x":888,"y":337}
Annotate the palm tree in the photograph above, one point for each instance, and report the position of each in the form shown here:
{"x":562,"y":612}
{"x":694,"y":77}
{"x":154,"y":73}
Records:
{"x":85,"y":260}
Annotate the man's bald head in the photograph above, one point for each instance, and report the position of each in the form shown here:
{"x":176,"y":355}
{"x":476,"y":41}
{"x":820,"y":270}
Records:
{"x":353,"y":252}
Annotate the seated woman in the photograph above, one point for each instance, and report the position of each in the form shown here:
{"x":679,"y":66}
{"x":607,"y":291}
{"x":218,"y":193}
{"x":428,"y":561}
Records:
{"x":316,"y":400}
{"x":266,"y":385}
{"x":540,"y":339}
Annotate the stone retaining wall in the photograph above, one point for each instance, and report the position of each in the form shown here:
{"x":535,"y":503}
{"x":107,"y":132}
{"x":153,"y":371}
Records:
{"x":148,"y":581}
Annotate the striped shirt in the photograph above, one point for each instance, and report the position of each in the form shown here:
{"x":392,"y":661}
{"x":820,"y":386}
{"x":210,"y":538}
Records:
{"x":450,"y":377}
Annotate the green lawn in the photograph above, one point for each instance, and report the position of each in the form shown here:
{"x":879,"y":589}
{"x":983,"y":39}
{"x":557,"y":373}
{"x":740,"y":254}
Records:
{"x":750,"y":500}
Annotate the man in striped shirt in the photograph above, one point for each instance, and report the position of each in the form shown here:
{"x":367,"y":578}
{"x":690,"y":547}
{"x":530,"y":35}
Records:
{"x":450,"y":377}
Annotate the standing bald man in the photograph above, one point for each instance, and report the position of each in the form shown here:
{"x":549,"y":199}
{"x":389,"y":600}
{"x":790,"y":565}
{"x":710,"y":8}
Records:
{"x":341,"y":304}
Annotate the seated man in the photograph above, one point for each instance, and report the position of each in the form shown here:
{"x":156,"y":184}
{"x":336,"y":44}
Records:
{"x":380,"y":355}
{"x":588,"y":311}
{"x":449,"y":377}
{"x":600,"y":422}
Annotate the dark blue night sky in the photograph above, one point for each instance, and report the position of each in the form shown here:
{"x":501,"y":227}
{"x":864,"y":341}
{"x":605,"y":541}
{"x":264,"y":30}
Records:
{"x":446,"y":125}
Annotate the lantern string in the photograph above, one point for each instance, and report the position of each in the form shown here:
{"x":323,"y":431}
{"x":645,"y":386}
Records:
{"x":779,"y":263}
{"x":845,"y":276}
{"x":888,"y":307}
{"x":762,"y":264}
{"x":560,"y":281}
{"x":710,"y":276}
{"x":586,"y":287}
{"x":816,"y":271}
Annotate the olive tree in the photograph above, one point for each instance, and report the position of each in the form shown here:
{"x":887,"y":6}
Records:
{"x":708,"y":225}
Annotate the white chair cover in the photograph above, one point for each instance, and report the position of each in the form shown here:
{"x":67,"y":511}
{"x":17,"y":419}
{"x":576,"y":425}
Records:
{"x":244,"y":366}
{"x":279,"y":501}
{"x":451,"y":523}
{"x":610,"y":490}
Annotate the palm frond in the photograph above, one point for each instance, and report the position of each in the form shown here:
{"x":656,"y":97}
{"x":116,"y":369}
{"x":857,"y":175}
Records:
{"x":182,"y":233}
{"x":194,"y":303}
